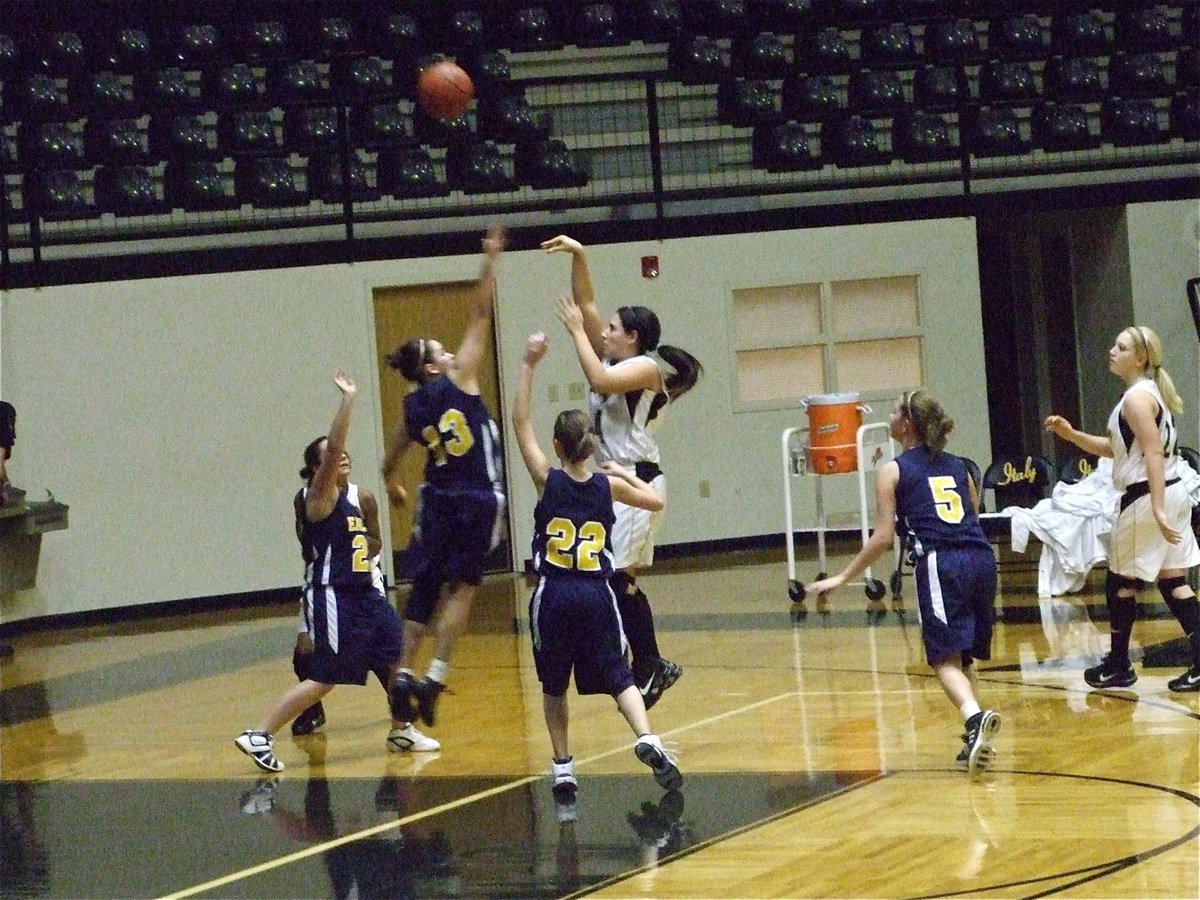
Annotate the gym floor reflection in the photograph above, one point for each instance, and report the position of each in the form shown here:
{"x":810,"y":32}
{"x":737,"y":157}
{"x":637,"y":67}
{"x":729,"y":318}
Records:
{"x":817,"y":754}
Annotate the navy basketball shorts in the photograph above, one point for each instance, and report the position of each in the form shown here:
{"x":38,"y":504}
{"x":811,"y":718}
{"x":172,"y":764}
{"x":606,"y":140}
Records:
{"x":575,"y":625}
{"x":355,"y":632}
{"x":956,"y":592}
{"x":456,"y":531}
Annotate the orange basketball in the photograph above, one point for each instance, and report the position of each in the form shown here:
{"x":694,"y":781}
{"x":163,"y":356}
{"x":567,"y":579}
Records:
{"x":445,"y":90}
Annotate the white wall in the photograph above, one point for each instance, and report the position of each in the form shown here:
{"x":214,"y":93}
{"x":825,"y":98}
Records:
{"x":170,"y":414}
{"x":1164,"y":252}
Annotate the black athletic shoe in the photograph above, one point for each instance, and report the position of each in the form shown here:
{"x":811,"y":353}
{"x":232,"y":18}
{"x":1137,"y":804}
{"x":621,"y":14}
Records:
{"x":309,"y":720}
{"x":665,"y":675}
{"x":1187,"y":682}
{"x":650,"y":750}
{"x":978,"y":754}
{"x":426,"y":692}
{"x":400,"y":698}
{"x":1110,"y":673}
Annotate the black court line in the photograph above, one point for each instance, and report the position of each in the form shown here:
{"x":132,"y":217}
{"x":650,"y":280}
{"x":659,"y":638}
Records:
{"x":1119,"y":696}
{"x":1089,"y":873}
{"x":717,"y":839}
{"x":1097,"y":870}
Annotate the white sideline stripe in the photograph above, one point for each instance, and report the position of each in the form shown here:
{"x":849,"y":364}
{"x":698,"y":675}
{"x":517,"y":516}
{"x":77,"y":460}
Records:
{"x":436,"y":810}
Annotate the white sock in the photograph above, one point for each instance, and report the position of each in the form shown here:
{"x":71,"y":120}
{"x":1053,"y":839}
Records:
{"x":969,"y":709}
{"x":438,"y":669}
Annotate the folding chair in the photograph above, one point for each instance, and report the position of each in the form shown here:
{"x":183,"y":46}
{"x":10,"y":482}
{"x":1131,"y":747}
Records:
{"x":1020,"y":479}
{"x":1076,"y":466}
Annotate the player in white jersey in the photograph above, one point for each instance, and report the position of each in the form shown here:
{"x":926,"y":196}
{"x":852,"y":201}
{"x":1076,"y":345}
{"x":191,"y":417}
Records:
{"x":632,"y":379}
{"x":1152,"y":539}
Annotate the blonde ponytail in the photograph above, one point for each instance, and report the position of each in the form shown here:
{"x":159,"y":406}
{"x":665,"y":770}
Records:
{"x":1152,"y":345}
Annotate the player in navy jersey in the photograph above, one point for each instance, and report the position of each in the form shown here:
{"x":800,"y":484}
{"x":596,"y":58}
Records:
{"x":1152,"y":539}
{"x":633,"y":378}
{"x":573,"y":616}
{"x":354,"y":628}
{"x":929,"y":492}
{"x":460,"y":512}
{"x":407,"y":737}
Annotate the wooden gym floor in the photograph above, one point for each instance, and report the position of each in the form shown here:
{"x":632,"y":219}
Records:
{"x":818,"y":757}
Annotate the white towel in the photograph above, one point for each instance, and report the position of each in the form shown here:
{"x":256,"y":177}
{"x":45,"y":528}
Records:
{"x":1073,"y":526}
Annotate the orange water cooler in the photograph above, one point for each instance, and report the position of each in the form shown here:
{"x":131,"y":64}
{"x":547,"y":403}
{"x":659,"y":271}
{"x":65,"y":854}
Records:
{"x":835,"y":442}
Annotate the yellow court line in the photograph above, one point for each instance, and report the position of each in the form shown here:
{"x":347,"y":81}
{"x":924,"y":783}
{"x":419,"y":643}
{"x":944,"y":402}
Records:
{"x":435,"y":810}
{"x":346,"y":839}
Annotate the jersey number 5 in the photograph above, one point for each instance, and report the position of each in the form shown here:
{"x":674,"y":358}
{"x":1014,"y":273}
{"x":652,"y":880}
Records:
{"x":946,"y":499}
{"x":569,"y":548}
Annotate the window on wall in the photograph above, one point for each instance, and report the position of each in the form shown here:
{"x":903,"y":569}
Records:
{"x":792,"y":341}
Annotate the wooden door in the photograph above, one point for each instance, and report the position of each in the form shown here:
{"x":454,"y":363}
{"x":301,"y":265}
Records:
{"x":438,"y":312}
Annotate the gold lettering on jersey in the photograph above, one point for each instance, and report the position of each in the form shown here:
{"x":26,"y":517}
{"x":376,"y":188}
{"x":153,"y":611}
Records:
{"x":571,"y":549}
{"x":354,"y":523}
{"x":1014,"y":476}
{"x":1086,"y":468}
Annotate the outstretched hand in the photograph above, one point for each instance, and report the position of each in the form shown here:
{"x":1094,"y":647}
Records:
{"x":494,"y":241}
{"x":536,"y":346}
{"x":1059,"y":426}
{"x":569,"y":313}
{"x":344,"y":383}
{"x":397,"y":495}
{"x":562,"y":243}
{"x":825,"y":585}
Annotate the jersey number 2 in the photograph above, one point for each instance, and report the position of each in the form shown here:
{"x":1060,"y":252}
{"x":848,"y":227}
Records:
{"x":568,"y":548}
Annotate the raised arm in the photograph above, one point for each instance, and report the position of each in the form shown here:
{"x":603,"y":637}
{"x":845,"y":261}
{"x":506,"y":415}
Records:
{"x":640,"y":374}
{"x":465,"y":370}
{"x":1088,"y":443}
{"x":581,"y":287}
{"x":323,"y":491}
{"x":535,"y":460}
{"x":627,"y":488}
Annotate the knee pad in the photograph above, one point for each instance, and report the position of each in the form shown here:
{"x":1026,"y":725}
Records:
{"x":1114,"y":583}
{"x":1167,"y":586}
{"x":1122,"y":608}
{"x":1185,"y":609}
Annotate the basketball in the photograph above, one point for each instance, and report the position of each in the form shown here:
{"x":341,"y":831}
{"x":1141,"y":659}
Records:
{"x":445,"y":90}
